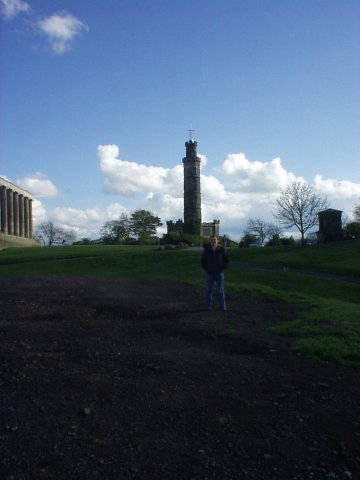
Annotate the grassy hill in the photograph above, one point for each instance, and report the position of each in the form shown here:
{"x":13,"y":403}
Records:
{"x":325,"y":278}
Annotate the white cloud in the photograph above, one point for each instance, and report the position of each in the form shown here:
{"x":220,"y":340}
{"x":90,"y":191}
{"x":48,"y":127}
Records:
{"x":212,"y":188}
{"x":38,"y":184}
{"x":39,"y":212}
{"x":131,"y":178}
{"x":84,"y":222}
{"x":61,"y":29}
{"x":203,"y":159}
{"x":342,"y":194}
{"x":250,"y":176}
{"x":337,"y":189}
{"x":11,"y":8}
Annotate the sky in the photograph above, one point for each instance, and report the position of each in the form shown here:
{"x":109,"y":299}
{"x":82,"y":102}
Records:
{"x":97,"y":98}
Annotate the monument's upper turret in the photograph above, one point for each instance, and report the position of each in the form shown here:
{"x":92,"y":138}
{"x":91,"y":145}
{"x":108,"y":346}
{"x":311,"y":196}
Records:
{"x":191,"y":152}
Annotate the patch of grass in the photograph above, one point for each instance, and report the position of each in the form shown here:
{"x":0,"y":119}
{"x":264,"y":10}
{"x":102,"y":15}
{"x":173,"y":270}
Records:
{"x":332,"y":319}
{"x":328,"y":331}
{"x":330,"y":349}
{"x":341,"y":258}
{"x":102,"y":260}
{"x":292,"y":285}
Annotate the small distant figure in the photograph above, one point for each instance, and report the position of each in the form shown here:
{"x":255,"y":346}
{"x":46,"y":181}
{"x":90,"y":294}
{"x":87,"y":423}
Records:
{"x":214,"y":261}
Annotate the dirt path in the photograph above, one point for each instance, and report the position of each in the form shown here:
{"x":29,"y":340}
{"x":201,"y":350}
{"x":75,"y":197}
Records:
{"x":121,"y":379}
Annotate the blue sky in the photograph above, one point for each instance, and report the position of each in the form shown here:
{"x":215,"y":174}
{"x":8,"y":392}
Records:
{"x":97,"y":96}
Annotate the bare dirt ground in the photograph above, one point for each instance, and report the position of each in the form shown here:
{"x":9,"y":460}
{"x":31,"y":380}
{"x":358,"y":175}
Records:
{"x":127,"y":379}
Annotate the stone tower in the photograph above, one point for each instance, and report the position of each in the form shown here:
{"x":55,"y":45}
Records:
{"x":192,"y":191}
{"x":330,"y":226}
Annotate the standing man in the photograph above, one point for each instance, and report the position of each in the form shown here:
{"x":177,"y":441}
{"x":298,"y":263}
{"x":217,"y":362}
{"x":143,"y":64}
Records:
{"x":214,"y":260}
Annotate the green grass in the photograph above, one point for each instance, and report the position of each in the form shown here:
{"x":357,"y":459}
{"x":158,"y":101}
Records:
{"x":340,"y":258}
{"x":132,"y":261}
{"x":328,"y":330}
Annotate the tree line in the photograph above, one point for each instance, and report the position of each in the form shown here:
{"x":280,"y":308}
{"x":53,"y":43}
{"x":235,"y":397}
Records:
{"x":139,"y":227}
{"x":297,"y":207}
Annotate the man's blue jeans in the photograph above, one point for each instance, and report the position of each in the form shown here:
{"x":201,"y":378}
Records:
{"x":210,"y":279}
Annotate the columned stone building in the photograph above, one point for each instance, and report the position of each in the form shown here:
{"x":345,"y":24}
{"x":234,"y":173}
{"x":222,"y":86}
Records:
{"x":16,"y":220}
{"x":192,"y":198}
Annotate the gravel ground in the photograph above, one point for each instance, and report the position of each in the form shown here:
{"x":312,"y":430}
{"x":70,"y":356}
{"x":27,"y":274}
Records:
{"x":126,"y":379}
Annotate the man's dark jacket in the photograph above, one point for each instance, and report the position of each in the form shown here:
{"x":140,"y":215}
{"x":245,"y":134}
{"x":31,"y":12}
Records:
{"x":214,"y":261}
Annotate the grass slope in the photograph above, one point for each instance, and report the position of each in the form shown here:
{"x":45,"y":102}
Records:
{"x":329,"y":330}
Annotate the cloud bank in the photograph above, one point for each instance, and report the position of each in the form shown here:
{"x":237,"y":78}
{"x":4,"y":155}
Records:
{"x":256,"y":176}
{"x":240,"y":189}
{"x":130,"y":178}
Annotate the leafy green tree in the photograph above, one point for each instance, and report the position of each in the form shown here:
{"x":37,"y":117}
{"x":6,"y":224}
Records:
{"x":116,"y":231}
{"x":352,"y":229}
{"x":247,"y":239}
{"x":143,"y":224}
{"x":298,"y":206}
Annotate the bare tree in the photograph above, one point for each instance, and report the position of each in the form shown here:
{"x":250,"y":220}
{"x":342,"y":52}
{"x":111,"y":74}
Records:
{"x":273,"y":230}
{"x":256,"y":227}
{"x":49,"y":234}
{"x":298,"y":206}
{"x":261,"y":229}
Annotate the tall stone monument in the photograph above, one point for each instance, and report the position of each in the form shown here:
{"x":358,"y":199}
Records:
{"x":192,"y":190}
{"x":192,"y":198}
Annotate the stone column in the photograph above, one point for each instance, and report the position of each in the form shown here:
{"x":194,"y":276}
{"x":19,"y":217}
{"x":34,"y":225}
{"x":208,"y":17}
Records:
{"x":21,"y":215}
{"x":10,"y":212}
{"x":26,"y":216}
{"x":16,"y":213}
{"x":30,"y":219}
{"x":3,"y":198}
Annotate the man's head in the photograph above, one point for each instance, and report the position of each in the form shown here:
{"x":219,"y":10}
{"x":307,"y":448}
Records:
{"x":213,"y":241}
